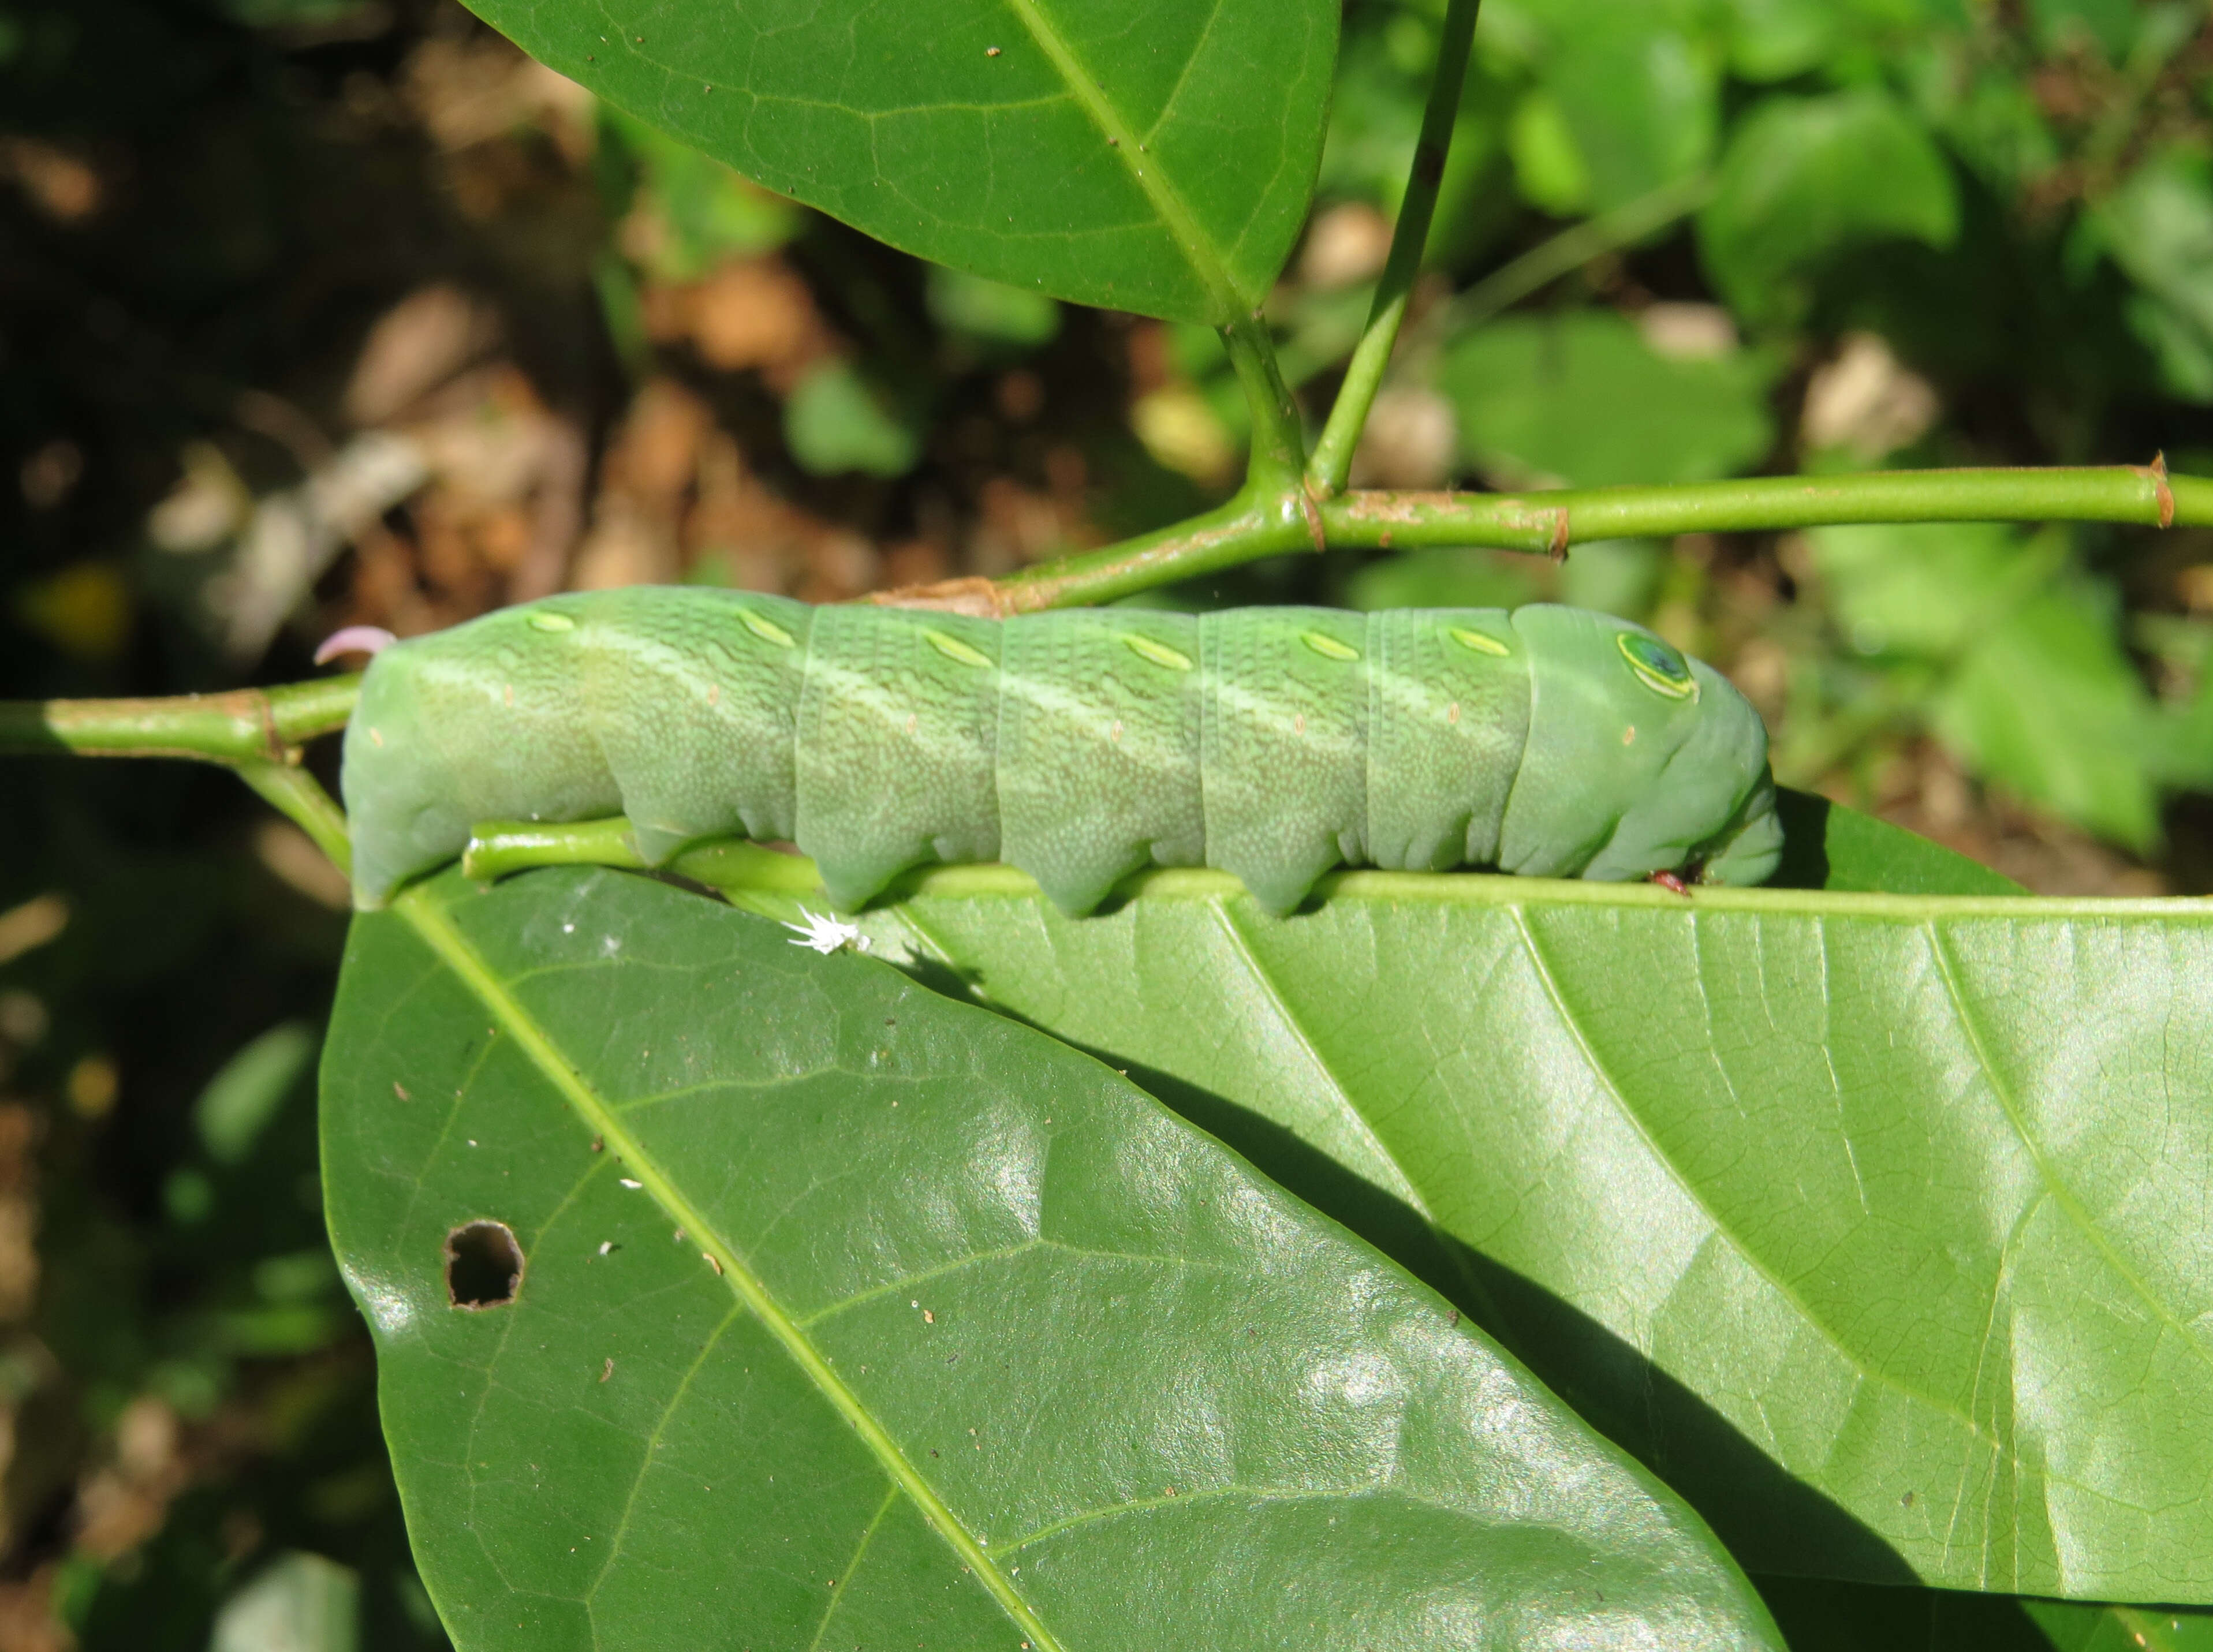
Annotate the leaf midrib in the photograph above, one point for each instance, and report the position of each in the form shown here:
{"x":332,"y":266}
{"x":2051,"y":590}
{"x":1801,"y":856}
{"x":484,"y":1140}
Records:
{"x":1510,"y":891}
{"x":437,"y":931}
{"x":1194,"y":243}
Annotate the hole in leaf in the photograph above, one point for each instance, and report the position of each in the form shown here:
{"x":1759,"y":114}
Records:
{"x":484,"y":1264}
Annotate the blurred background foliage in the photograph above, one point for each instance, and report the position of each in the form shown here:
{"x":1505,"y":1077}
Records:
{"x":320,"y":312}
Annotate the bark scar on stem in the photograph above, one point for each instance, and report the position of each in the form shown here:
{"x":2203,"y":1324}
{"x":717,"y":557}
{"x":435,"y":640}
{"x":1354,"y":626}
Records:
{"x":1379,"y":506}
{"x":278,"y":750}
{"x":1314,"y":521}
{"x":1557,"y":549}
{"x":2156,"y":473}
{"x":974,"y":595}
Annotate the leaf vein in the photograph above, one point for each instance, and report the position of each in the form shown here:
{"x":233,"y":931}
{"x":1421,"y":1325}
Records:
{"x":440,"y":933}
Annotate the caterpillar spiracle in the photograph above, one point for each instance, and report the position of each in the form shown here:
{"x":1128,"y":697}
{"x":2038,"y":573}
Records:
{"x":1079,"y":745}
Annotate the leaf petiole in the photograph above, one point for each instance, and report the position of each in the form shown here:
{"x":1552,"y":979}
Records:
{"x":1331,"y":463}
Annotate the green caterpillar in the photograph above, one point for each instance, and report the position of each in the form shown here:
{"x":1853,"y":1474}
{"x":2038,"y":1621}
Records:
{"x":1272,"y":743}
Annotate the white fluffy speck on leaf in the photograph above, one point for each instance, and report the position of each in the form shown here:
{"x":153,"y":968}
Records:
{"x":826,"y":935}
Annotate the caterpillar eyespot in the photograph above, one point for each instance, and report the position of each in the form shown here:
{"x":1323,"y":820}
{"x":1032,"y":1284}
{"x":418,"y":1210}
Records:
{"x":1658,"y":666}
{"x":1053,"y":746}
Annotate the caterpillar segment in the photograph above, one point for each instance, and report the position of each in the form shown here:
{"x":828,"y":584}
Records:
{"x":1081,"y":746}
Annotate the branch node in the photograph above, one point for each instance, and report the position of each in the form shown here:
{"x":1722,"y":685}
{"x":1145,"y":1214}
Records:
{"x":272,"y":741}
{"x":1314,"y":531}
{"x":2156,"y":473}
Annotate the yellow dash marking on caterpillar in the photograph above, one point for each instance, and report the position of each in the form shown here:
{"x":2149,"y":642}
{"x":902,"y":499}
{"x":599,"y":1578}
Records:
{"x":1479,"y":643}
{"x":910,"y":721}
{"x":1159,"y":653}
{"x":953,"y":648}
{"x":1452,"y":712}
{"x":507,"y":692}
{"x":551,"y":622}
{"x":1299,"y":723}
{"x":1115,"y":732}
{"x":714,"y":693}
{"x":1629,"y":735}
{"x":1327,"y":646}
{"x":766,"y":629}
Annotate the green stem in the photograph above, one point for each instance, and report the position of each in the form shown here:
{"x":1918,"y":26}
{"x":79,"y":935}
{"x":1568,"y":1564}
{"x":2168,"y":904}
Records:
{"x":257,"y":732}
{"x":1563,"y":254}
{"x":1553,"y":521}
{"x":300,"y":797}
{"x":1363,"y":376}
{"x":499,"y":848}
{"x":246,"y":725}
{"x":1278,"y":438}
{"x":267,"y":726}
{"x":1248,"y":526}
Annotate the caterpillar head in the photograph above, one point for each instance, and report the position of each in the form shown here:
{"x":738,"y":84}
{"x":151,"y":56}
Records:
{"x":1641,"y":759}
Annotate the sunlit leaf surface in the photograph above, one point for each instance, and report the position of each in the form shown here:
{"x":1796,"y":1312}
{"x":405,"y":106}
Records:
{"x":837,"y":1313}
{"x":1875,"y":1223}
{"x":1152,"y":155}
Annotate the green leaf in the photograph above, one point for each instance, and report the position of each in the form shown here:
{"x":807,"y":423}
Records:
{"x":241,"y":1098}
{"x":1923,"y":589}
{"x":1549,"y":169}
{"x":816,"y":1310}
{"x":1826,"y":1617}
{"x":1444,"y":577}
{"x":1775,"y":39}
{"x":991,"y":309}
{"x":2158,"y":227}
{"x":1581,"y":399}
{"x":1874,"y":1223}
{"x":701,"y":210}
{"x":1806,"y":178}
{"x":1141,"y":155}
{"x":302,"y":1603}
{"x":1643,"y":101}
{"x":2048,"y":705}
{"x":2071,"y":1628}
{"x":834,"y":423}
{"x":1828,"y":846}
{"x":2039,"y":695}
{"x":2106,"y":26}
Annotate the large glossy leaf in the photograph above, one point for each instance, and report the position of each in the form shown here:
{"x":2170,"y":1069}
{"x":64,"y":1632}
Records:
{"x":1875,"y":1223}
{"x":848,"y":1315}
{"x":1828,"y":846}
{"x":1152,"y":155}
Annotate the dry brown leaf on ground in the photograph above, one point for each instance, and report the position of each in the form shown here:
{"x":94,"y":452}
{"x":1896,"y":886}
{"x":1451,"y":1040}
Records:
{"x":749,"y":315}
